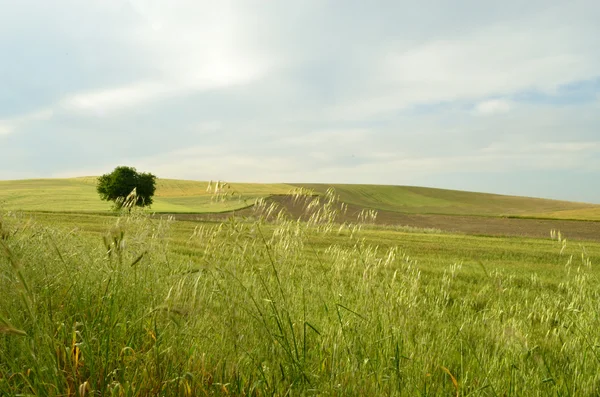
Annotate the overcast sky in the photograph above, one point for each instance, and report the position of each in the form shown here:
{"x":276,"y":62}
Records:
{"x":497,"y":96}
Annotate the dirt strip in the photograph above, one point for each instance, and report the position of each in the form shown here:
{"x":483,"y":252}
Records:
{"x":476,"y":225}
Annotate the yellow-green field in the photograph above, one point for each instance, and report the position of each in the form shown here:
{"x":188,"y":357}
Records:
{"x":176,"y":196}
{"x":132,"y":305}
{"x":422,"y":200}
{"x":592,"y":213}
{"x":184,"y":196}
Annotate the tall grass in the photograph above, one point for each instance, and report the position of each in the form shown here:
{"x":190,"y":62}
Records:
{"x":256,"y":308}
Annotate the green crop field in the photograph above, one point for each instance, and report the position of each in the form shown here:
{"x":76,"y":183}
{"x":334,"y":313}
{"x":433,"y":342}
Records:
{"x":421,"y":200}
{"x":132,"y":305}
{"x":79,"y":195}
{"x":592,"y":213}
{"x":181,"y":196}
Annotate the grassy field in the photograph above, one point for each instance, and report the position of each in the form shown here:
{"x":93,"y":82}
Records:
{"x":180,"y":196}
{"x":135,"y":306}
{"x":175,"y":196}
{"x":421,"y":200}
{"x":579,"y":214}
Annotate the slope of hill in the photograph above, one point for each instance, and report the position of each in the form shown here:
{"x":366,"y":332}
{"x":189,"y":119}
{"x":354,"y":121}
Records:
{"x":183,"y":196}
{"x":583,"y":214}
{"x":79,"y":194}
{"x":422,"y":200}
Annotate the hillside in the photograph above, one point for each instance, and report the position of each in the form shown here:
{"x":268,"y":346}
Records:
{"x":177,"y":196}
{"x":422,"y":200}
{"x":184,"y":196}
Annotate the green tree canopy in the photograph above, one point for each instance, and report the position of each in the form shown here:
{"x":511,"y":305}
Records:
{"x":119,"y":184}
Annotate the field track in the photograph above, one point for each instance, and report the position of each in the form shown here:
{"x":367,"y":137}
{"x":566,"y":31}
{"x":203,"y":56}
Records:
{"x":474,"y":225}
{"x":184,"y":196}
{"x":397,"y":206}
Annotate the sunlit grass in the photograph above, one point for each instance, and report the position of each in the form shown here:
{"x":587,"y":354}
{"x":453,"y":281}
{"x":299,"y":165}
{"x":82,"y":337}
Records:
{"x":177,"y":196}
{"x":579,"y":214}
{"x":130,"y":305}
{"x":420,"y":200}
{"x":180,"y":196}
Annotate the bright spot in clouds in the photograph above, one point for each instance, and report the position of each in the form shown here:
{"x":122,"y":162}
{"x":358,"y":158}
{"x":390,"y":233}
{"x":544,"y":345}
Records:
{"x":493,"y":106}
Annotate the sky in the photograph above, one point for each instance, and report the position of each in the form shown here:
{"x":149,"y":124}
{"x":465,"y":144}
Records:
{"x":499,"y":97}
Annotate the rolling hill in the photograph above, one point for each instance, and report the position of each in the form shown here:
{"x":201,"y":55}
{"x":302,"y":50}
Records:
{"x":423,"y":200}
{"x":184,"y":196}
{"x":172,"y":196}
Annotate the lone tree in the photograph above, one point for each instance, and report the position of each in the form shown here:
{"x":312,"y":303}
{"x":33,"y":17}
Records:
{"x":125,"y":184}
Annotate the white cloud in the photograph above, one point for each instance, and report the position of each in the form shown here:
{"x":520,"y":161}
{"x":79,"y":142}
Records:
{"x":493,"y":106}
{"x":214,"y":75}
{"x":116,"y":98}
{"x":571,"y":146}
{"x":197,"y":46}
{"x":10,"y":125}
{"x":5,"y":127}
{"x":311,"y":163}
{"x":205,"y":163}
{"x":87,"y":171}
{"x":538,"y":52}
{"x":211,"y":50}
{"x":209,"y":126}
{"x":511,"y":147}
{"x":200,"y":45}
{"x":41,"y":114}
{"x":327,"y":139}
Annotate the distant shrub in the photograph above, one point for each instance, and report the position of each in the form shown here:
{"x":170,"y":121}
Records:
{"x":127,"y":188}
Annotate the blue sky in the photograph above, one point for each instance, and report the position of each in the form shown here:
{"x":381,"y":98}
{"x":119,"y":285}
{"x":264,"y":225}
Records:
{"x":501,"y":97}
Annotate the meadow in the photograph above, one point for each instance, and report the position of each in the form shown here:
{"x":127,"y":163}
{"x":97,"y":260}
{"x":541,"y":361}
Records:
{"x":172,"y":196}
{"x":182,"y":196}
{"x":132,"y":305}
{"x":425,"y":200}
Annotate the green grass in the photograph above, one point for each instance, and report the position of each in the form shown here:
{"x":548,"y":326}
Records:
{"x":421,"y":200}
{"x":136,"y":306}
{"x":79,"y":195}
{"x":181,"y":196}
{"x":578,"y":214}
